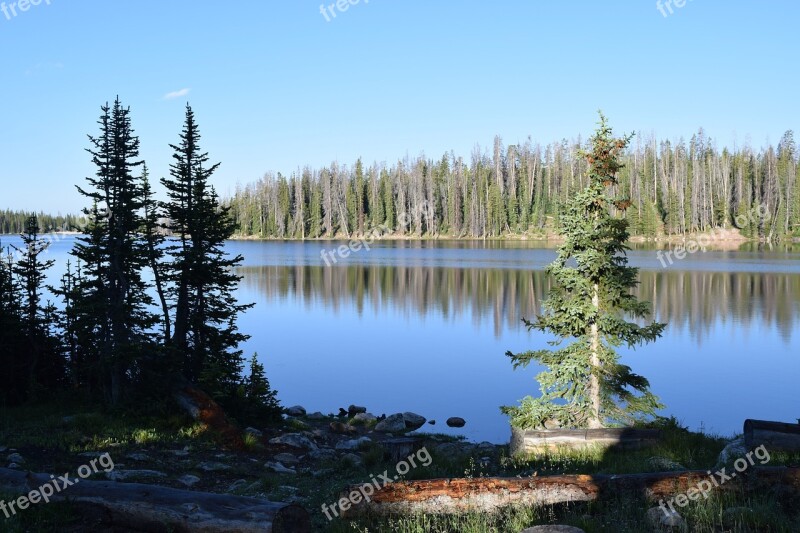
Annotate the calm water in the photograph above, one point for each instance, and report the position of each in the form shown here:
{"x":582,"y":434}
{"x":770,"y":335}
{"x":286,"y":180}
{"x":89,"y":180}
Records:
{"x":424,"y":327}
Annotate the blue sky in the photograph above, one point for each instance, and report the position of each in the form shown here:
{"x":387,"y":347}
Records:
{"x":275,"y":86}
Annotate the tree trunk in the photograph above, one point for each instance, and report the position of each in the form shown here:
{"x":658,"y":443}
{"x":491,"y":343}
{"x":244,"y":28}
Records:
{"x":594,"y":381}
{"x":153,"y":508}
{"x":452,"y":496}
{"x":775,"y":436}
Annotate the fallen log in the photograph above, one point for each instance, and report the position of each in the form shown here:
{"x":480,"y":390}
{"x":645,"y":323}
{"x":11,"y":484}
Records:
{"x":153,"y":508}
{"x":775,"y":436}
{"x":537,"y":441}
{"x":454,"y":496}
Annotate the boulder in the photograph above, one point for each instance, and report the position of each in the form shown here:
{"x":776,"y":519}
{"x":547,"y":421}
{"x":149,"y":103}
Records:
{"x":353,"y":444}
{"x":322,"y":454}
{"x":353,"y":459}
{"x":664,"y":519}
{"x":295,"y":410}
{"x":342,"y":429}
{"x":296,"y":440}
{"x":353,"y":410}
{"x":188,"y":480}
{"x":213,"y":466}
{"x":15,"y":458}
{"x":413,"y":420}
{"x":392,"y":424}
{"x":734,"y":449}
{"x":254,"y":432}
{"x":364,"y":418}
{"x":316,"y":416}
{"x":287,"y":459}
{"x":277,"y":467}
{"x":456,"y":422}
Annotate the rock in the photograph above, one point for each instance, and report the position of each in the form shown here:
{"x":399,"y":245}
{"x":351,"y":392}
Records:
{"x":450,"y":449}
{"x":353,"y":410}
{"x":364,"y":418}
{"x":254,"y":432}
{"x":735,"y":517}
{"x":15,"y":458}
{"x":432,"y":422}
{"x":552,"y":529}
{"x":237,"y":485}
{"x":14,"y":466}
{"x":297,"y":424}
{"x":178,"y":453}
{"x":276,"y":466}
{"x":325,"y":472}
{"x":213,"y":466}
{"x":392,"y":424}
{"x":487,"y":446}
{"x":316,"y":416}
{"x":122,"y":475}
{"x":90,"y":454}
{"x":295,"y":410}
{"x":3,"y":449}
{"x":353,"y":460}
{"x":188,"y":480}
{"x":138,"y":456}
{"x":353,"y":444}
{"x":342,"y":429}
{"x":665,"y":519}
{"x":734,"y":449}
{"x":456,"y":422}
{"x":296,"y":440}
{"x":662,"y":464}
{"x":287,"y":459}
{"x":413,"y":420}
{"x":322,"y":454}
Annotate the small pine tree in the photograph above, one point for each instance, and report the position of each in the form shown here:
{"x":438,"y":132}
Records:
{"x":585,"y":385}
{"x":260,"y":400}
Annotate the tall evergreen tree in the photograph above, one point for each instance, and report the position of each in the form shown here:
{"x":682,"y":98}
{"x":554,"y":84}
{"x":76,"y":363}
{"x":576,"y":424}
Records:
{"x":585,"y":385}
{"x":114,"y":294}
{"x":205,"y":334}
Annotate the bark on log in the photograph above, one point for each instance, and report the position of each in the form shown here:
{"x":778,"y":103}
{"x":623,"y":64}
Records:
{"x":202,"y":408}
{"x":453,"y":496}
{"x":537,"y":441}
{"x":775,"y":436}
{"x":153,"y":508}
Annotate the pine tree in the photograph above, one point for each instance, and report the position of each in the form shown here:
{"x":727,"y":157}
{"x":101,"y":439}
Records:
{"x":114,"y":294}
{"x":585,"y":385}
{"x":260,"y":400}
{"x":203,"y":281}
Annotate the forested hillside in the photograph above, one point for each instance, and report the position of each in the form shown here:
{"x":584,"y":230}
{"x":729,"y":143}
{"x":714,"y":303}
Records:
{"x":14,"y":222}
{"x":673,"y":188}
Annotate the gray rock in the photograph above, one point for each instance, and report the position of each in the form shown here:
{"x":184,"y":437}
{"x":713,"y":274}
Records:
{"x":122,"y":475}
{"x":353,"y":459}
{"x":413,"y":420}
{"x":213,"y":466}
{"x":316,"y":416}
{"x":322,"y":454}
{"x":15,"y":458}
{"x":3,"y":449}
{"x":353,"y":410}
{"x":392,"y":424}
{"x":296,"y":410}
{"x":450,"y":449}
{"x":353,"y":444}
{"x":364,"y":418}
{"x":14,"y":466}
{"x":188,"y":480}
{"x":325,"y":472}
{"x":734,"y":449}
{"x":138,"y":456}
{"x":277,"y":467}
{"x":552,"y":529}
{"x":254,"y":432}
{"x":237,"y":485}
{"x":296,"y":440}
{"x":665,"y":521}
{"x":287,"y":459}
{"x":456,"y":422}
{"x":178,"y":453}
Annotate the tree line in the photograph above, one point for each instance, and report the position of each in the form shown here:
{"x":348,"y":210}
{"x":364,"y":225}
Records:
{"x":15,"y":222}
{"x":141,"y":313}
{"x":668,"y":188}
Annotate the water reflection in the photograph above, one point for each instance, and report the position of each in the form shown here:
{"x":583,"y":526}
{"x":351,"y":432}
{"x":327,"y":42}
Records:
{"x":691,"y":300}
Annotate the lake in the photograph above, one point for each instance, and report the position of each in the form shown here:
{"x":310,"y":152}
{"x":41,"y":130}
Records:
{"x":424,"y":326}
